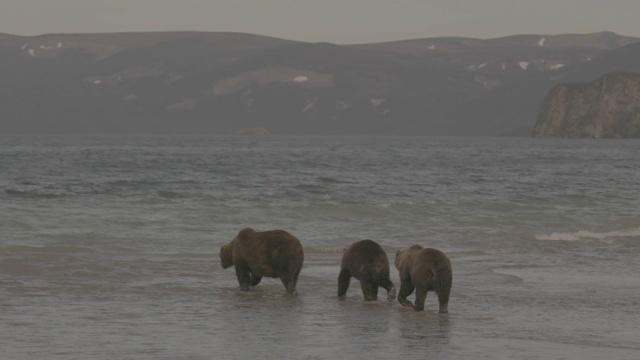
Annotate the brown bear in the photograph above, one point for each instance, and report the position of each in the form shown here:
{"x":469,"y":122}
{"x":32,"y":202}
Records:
{"x":366,"y":261}
{"x":274,"y":253}
{"x":423,"y":269}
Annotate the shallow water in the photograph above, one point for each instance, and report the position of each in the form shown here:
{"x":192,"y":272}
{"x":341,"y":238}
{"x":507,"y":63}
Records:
{"x":108,"y":246}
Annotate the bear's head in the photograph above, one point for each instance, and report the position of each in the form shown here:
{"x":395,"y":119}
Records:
{"x":396,"y":262}
{"x":226,"y":256}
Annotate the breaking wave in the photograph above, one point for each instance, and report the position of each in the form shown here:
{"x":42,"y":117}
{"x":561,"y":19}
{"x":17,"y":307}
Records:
{"x":30,"y":194}
{"x":585,"y":235}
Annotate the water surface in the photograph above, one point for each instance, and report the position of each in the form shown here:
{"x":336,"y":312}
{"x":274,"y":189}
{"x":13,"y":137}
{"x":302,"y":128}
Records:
{"x":108,"y":246}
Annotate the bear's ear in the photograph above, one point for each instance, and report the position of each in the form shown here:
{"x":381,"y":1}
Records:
{"x":223,"y":247}
{"x":246,"y":232}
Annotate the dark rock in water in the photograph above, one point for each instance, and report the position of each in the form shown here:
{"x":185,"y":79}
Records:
{"x":608,"y":107}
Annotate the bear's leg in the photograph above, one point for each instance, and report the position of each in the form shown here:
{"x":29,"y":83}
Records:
{"x":391,"y":290}
{"x":294,"y":281}
{"x":421,"y":296}
{"x":244,"y":276}
{"x":406,"y":288}
{"x":374,"y":291}
{"x":255,"y":279}
{"x":343,"y":282}
{"x":369,"y":290}
{"x":289,"y":282}
{"x":443,"y":300}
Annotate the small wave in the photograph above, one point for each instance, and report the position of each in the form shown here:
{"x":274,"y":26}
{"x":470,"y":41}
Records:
{"x":46,"y":249}
{"x":345,"y":212}
{"x":116,"y":185}
{"x":585,"y":235}
{"x":169,"y":194}
{"x":399,"y":203}
{"x":338,"y":249}
{"x":23,"y":260}
{"x":324,"y":249}
{"x":511,"y":276}
{"x":312,"y":188}
{"x":331,"y":180}
{"x":30,"y":194}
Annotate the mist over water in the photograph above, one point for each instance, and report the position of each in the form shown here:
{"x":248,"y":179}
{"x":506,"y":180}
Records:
{"x":109,"y":246}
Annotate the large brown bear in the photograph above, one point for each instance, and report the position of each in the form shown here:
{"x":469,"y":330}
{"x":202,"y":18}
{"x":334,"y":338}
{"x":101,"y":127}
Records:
{"x":274,"y":253}
{"x":366,"y":261}
{"x":425,"y":270}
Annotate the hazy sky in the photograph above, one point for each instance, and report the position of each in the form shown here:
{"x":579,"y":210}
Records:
{"x":337,"y":21}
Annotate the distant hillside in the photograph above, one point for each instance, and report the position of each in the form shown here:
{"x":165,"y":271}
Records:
{"x":222,"y":82}
{"x":608,"y":107}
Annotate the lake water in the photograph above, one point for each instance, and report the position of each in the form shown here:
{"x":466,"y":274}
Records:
{"x":109,"y":246}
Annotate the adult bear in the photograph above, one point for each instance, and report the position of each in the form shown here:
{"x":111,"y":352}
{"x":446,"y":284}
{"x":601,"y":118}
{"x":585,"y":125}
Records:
{"x":424,"y":269}
{"x":274,"y":253}
{"x":366,"y":261}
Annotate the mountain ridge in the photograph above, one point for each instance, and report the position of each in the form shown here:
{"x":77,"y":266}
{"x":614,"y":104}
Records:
{"x":219,"y":82}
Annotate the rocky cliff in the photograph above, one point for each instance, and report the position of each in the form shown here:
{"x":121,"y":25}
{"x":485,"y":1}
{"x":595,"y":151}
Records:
{"x":608,"y":107}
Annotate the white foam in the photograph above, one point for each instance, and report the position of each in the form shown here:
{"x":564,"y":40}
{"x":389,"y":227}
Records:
{"x":431,"y":47}
{"x":32,"y":52}
{"x":309,"y":106}
{"x":585,"y":235}
{"x":524,"y":65}
{"x":541,"y":41}
{"x":377,"y":101}
{"x":401,"y":202}
{"x":476,"y":67}
{"x":556,"y":66}
{"x":300,"y":79}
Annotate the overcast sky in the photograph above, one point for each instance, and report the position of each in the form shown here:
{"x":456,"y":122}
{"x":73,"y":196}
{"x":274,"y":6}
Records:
{"x":337,"y":21}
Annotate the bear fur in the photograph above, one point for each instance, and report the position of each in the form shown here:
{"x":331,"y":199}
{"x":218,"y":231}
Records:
{"x":423,"y":269}
{"x":366,"y":261}
{"x":274,"y":253}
